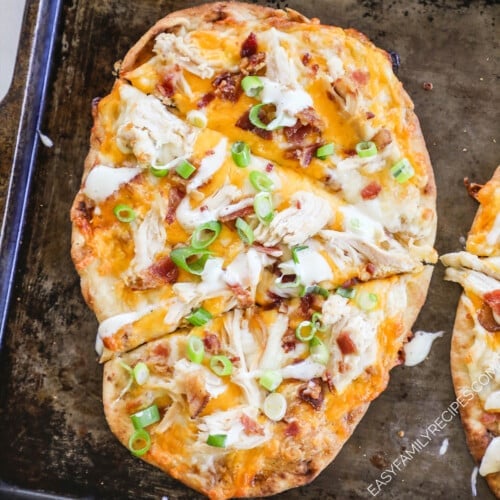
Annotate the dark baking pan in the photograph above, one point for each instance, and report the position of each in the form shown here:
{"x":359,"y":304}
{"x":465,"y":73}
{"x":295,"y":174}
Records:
{"x":53,"y":435}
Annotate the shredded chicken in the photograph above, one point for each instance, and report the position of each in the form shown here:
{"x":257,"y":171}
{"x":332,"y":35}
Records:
{"x":489,"y":265}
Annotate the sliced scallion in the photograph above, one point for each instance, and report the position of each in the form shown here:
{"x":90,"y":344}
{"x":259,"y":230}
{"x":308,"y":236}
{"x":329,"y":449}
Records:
{"x":252,"y":85}
{"x":199,"y":317}
{"x":139,"y":442}
{"x":295,"y":251}
{"x":323,"y":152}
{"x":402,"y":170}
{"x":158,"y":171}
{"x":366,"y":149}
{"x":305,"y":331}
{"x":205,"y":234}
{"x":190,"y":259}
{"x":366,"y":300}
{"x":141,"y":373}
{"x":143,"y":418}
{"x":254,"y":118}
{"x":221,"y":365}
{"x":240,"y":152}
{"x":318,"y":290}
{"x":195,"y":349}
{"x":271,"y":379}
{"x":263,"y":206}
{"x":245,"y":232}
{"x":261,"y":181}
{"x":124,"y":213}
{"x":217,"y":440}
{"x":316,"y":320}
{"x":347,"y":293}
{"x":275,"y":406}
{"x":197,"y":118}
{"x":185,"y":169}
{"x":318,"y":350}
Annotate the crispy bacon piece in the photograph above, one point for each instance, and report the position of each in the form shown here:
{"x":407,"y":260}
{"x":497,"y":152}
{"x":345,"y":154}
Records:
{"x":249,"y":45}
{"x":345,"y":343}
{"x":371,"y":191}
{"x":160,"y":273}
{"x":245,"y":124}
{"x":473,"y":188}
{"x":298,"y":133}
{"x":490,"y":421}
{"x":493,"y":300}
{"x":196,"y":394}
{"x":382,"y":138}
{"x":167,"y":86}
{"x":327,"y":378}
{"x":205,"y":100}
{"x":211,"y":343}
{"x":308,"y":116}
{"x":250,"y":426}
{"x":242,"y":212}
{"x":292,"y":429}
{"x":350,"y":283}
{"x":312,"y":393}
{"x":251,"y":65}
{"x":306,"y":303}
{"x":243,"y":295}
{"x":487,"y":320}
{"x":306,"y":58}
{"x":271,"y":251}
{"x":175,"y":196}
{"x":228,"y":86}
{"x":289,"y":340}
{"x":303,"y":154}
{"x":360,"y":76}
{"x":370,"y":268}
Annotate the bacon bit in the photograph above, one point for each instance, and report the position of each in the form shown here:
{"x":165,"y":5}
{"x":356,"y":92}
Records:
{"x":312,"y":393}
{"x":269,"y":167}
{"x":160,"y":273}
{"x":306,"y":58}
{"x":371,"y":191}
{"x":487,"y":320}
{"x":228,"y":86}
{"x":276,"y":299}
{"x":211,"y":343}
{"x":250,"y":426}
{"x":289,"y":340}
{"x":175,"y":196}
{"x":167,"y":87}
{"x":360,"y":76}
{"x":327,"y":378}
{"x":242,"y":212}
{"x":341,"y":89}
{"x":370,"y":115}
{"x":298,"y":133}
{"x":292,"y":429}
{"x":245,"y":124}
{"x":493,"y":300}
{"x":473,"y":188}
{"x":382,"y":138}
{"x":196,"y":394}
{"x":243,"y":295}
{"x":489,"y":419}
{"x":249,"y":46}
{"x":345,"y":343}
{"x":370,"y":268}
{"x":304,"y":155}
{"x":203,"y":208}
{"x":298,"y":205}
{"x":306,"y":303}
{"x":205,"y":100}
{"x":342,"y":367}
{"x":427,"y":86}
{"x":271,"y":251}
{"x":85,"y":211}
{"x":251,"y":65}
{"x":162,"y":351}
{"x":315,"y":68}
{"x":308,"y":116}
{"x":350,"y":283}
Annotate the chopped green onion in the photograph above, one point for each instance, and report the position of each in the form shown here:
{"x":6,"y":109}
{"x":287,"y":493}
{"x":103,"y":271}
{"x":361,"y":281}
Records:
{"x":141,"y":372}
{"x":197,"y":259}
{"x":240,"y":151}
{"x":261,"y":181}
{"x":126,"y":367}
{"x":136,"y":439}
{"x":197,"y":118}
{"x":199,"y":317}
{"x":158,"y":171}
{"x":271,"y":379}
{"x":124,"y":213}
{"x":254,"y":118}
{"x":245,"y":232}
{"x":195,"y":349}
{"x":323,"y":152}
{"x":316,"y":321}
{"x":366,"y":300}
{"x":217,"y":440}
{"x":347,"y":293}
{"x":274,"y":406}
{"x":319,"y":351}
{"x":143,"y":418}
{"x":295,"y":251}
{"x":305,"y":331}
{"x":263,"y":206}
{"x":318,"y":290}
{"x":221,"y":365}
{"x":252,"y":85}
{"x":185,"y":169}
{"x":130,"y":378}
{"x":402,"y":171}
{"x":205,"y":234}
{"x":366,"y":149}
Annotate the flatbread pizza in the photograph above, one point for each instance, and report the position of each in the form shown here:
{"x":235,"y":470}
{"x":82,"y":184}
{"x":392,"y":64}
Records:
{"x":475,"y":352}
{"x":254,"y":232}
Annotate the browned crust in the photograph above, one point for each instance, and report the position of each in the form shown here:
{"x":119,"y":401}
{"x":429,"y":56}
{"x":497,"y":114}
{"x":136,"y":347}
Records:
{"x":477,"y":435}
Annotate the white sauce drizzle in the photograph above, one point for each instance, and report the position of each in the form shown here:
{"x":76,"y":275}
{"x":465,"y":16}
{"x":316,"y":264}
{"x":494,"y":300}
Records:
{"x":103,"y":181}
{"x":419,"y":347}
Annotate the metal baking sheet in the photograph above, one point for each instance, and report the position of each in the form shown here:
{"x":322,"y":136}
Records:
{"x":53,"y":434}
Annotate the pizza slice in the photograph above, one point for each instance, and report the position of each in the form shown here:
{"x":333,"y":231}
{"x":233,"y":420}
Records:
{"x":475,"y":352}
